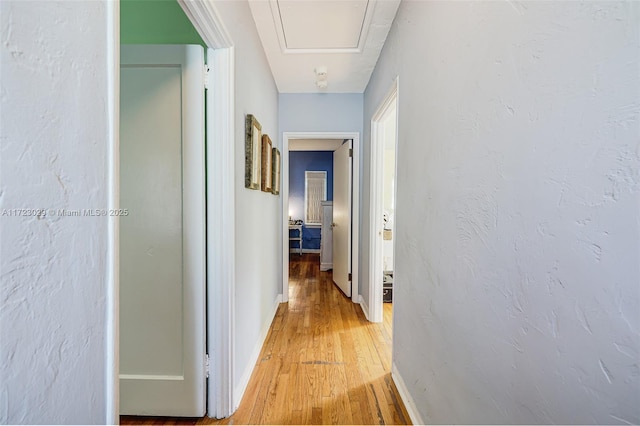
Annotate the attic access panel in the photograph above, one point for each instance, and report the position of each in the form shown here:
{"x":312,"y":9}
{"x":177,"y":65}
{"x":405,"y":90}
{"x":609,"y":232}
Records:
{"x":325,"y":25}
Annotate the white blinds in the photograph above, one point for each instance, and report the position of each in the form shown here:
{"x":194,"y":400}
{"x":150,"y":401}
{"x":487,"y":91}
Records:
{"x":315,"y":193}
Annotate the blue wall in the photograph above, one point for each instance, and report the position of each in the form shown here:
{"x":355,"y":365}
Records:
{"x":299,"y":162}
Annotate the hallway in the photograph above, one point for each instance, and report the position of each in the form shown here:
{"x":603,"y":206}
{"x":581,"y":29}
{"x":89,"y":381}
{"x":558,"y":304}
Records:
{"x":322,"y":362}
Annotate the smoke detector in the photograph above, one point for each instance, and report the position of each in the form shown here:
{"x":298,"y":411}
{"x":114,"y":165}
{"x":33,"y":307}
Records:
{"x":321,"y":77}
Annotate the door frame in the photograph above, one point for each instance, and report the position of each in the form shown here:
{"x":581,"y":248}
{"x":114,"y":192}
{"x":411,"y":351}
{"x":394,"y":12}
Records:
{"x":112,"y":338}
{"x":376,"y":201}
{"x":355,"y":204}
{"x":220,"y":196}
{"x":220,"y":205}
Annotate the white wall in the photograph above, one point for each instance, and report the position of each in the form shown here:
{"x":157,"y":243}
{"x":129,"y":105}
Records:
{"x":258,"y":254}
{"x":320,"y":112}
{"x":389,"y":162}
{"x":388,"y":183}
{"x":518,"y":235}
{"x":54,"y":155}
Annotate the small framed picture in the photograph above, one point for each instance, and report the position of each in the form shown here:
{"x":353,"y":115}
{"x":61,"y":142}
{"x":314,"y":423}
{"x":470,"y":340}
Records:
{"x":276,"y":172}
{"x":253,"y":152}
{"x":266,"y":165}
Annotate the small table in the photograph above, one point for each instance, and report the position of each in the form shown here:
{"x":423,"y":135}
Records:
{"x":296,"y":237}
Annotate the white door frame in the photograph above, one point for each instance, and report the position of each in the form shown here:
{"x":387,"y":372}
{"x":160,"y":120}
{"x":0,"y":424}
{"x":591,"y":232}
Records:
{"x":376,"y":202}
{"x":220,"y":205}
{"x":355,"y":197}
{"x":112,"y":338}
{"x":220,"y":208}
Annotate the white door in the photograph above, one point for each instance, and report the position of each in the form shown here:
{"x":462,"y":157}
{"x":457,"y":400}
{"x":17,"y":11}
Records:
{"x":342,"y":217}
{"x":162,"y":239}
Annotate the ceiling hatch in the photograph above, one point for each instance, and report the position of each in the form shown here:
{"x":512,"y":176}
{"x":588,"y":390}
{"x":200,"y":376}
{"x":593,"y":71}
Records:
{"x":321,"y":26}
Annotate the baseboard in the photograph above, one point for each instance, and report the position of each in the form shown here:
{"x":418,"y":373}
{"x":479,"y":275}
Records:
{"x":409,"y":403}
{"x":241,"y":387}
{"x":326,"y":266}
{"x":364,"y":307}
{"x":304,"y":250}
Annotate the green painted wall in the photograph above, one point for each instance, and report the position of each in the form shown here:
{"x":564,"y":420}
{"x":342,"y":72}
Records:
{"x":156,"y":22}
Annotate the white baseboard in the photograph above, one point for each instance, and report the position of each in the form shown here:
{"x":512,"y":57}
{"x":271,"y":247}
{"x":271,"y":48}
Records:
{"x":326,"y":266}
{"x":241,"y":387}
{"x":304,"y":250}
{"x":364,"y":307}
{"x":409,"y":403}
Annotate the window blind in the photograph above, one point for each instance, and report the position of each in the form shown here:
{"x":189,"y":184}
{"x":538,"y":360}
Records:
{"x":315,"y":193}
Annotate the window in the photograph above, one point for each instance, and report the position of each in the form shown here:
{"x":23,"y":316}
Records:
{"x":315,"y":191}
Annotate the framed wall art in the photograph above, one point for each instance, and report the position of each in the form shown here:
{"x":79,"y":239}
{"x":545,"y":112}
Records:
{"x":275,"y":188}
{"x":253,"y":152}
{"x":266,"y":164}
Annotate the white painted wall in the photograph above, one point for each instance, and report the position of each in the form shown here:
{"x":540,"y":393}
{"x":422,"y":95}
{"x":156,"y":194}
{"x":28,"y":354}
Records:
{"x":388,"y":184}
{"x":54,"y":150}
{"x":258,"y":234}
{"x":518,"y":232}
{"x":320,"y":112}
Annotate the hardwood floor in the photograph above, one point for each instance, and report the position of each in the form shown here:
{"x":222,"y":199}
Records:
{"x":322,"y":362}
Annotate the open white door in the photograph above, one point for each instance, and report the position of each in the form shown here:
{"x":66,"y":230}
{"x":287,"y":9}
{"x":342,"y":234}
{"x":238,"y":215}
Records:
{"x":342,"y":217}
{"x":162,"y":235}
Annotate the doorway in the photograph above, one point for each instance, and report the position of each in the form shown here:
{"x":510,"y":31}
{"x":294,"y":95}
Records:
{"x":162,"y":240}
{"x":288,"y":138}
{"x":384,"y":131}
{"x":220,"y":260}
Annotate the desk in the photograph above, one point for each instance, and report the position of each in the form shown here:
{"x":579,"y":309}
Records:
{"x":296,"y":237}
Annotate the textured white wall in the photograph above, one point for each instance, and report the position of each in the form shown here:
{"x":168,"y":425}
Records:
{"x":518,"y":231}
{"x":258,"y":253}
{"x":54,"y":151}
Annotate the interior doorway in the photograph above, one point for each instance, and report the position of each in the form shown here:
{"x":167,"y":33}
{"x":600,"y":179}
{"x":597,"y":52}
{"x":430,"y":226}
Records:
{"x":162,"y":240}
{"x":384,"y":136}
{"x":220,"y":260}
{"x":310,"y":184}
{"x":290,"y":139}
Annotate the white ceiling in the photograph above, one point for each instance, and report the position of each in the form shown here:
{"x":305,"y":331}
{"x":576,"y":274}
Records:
{"x":314,"y":144}
{"x":345,"y":36}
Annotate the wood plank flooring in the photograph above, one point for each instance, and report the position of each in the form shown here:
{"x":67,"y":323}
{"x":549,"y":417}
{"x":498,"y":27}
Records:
{"x":322,"y":362}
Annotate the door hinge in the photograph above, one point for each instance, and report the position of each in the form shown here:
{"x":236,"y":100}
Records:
{"x":349,"y":276}
{"x":206,"y":365}
{"x":350,"y":152}
{"x":207,"y":76}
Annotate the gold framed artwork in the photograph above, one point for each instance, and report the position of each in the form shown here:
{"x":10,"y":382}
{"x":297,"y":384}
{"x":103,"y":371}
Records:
{"x":266,"y":163}
{"x":275,"y":189}
{"x":252,"y":152}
